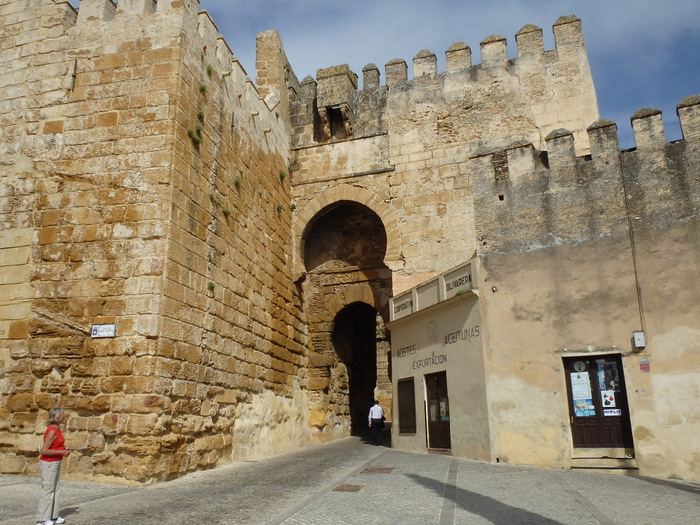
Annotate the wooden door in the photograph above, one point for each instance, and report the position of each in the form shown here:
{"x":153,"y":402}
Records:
{"x":438,"y":411}
{"x":598,"y":402}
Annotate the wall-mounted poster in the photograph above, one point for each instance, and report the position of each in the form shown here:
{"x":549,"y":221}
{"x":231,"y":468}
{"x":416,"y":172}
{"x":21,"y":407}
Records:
{"x":608,"y":375}
{"x":608,"y":398}
{"x":444,"y":409}
{"x":581,"y":394}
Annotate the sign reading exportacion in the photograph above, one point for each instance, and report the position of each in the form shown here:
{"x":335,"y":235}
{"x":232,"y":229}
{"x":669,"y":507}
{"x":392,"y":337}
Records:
{"x":104,"y":330}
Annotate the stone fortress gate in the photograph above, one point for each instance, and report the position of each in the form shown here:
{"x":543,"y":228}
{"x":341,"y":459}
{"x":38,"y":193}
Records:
{"x":199,"y":265}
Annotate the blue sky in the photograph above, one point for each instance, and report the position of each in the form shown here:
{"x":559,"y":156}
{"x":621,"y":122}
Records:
{"x":643,"y":53}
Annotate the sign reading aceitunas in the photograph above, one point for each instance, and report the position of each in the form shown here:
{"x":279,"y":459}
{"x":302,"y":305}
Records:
{"x":454,"y":282}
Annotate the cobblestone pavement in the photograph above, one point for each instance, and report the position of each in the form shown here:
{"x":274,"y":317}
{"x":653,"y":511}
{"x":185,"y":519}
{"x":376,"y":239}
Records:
{"x":351,"y":482}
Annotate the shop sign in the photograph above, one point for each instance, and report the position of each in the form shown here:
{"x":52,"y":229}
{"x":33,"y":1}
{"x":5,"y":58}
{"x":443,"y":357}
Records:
{"x":402,"y":306}
{"x":458,"y":282}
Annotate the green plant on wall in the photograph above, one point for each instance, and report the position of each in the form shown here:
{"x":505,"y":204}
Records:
{"x":202,"y":88}
{"x":226,"y":211}
{"x":279,"y":208}
{"x":195,"y":137}
{"x":210,"y":70}
{"x":282,"y":174}
{"x":211,"y":286}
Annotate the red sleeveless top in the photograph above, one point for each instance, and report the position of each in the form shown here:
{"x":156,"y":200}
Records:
{"x":58,"y":444}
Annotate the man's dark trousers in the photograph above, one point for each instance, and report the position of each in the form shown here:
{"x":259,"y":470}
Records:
{"x":377,"y":425}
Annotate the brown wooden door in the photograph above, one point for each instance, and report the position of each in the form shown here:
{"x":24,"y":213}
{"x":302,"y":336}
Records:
{"x":598,"y":402}
{"x":438,"y":411}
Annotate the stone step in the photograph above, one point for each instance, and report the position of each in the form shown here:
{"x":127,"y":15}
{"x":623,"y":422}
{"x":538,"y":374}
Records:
{"x":604,"y":463}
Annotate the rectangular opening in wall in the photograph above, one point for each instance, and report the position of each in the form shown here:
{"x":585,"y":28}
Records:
{"x":407,"y":406}
{"x":500,"y":165}
{"x":335,"y":121}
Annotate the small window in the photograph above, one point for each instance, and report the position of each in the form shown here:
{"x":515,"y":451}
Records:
{"x":335,"y":121}
{"x":407,"y":406}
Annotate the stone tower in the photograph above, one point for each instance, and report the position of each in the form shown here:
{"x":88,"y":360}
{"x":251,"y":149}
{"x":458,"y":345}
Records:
{"x":391,"y":163}
{"x":143,"y":188}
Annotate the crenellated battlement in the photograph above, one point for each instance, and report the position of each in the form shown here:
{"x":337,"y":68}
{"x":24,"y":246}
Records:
{"x":103,"y":47}
{"x":649,"y":135}
{"x":107,"y":26}
{"x":523,"y":181}
{"x":106,"y":10}
{"x":568,"y":39}
{"x":485,"y":99}
{"x":101,"y":11}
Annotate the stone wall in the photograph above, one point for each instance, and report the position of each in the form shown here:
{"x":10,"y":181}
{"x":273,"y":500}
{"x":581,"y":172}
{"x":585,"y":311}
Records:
{"x":145,"y":185}
{"x":408,"y":142}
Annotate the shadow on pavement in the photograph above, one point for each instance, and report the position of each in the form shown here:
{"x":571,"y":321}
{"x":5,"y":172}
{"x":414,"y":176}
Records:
{"x":367,"y":438}
{"x":491,"y":509}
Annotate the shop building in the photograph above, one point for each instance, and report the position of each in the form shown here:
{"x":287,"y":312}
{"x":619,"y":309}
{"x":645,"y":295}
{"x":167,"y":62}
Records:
{"x":438,"y":367}
{"x":450,"y":397}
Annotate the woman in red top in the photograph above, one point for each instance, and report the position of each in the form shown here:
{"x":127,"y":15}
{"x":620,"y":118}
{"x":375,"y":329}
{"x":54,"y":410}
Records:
{"x":53,"y":451}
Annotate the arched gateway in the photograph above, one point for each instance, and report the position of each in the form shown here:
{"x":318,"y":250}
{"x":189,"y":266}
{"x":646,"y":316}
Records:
{"x":345,"y":294}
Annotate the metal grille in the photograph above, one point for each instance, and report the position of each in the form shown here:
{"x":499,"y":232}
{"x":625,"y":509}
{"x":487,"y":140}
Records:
{"x":377,"y":470}
{"x":348,"y":488}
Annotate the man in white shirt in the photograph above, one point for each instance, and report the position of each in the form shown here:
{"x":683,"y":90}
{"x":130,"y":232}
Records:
{"x":376,"y":421}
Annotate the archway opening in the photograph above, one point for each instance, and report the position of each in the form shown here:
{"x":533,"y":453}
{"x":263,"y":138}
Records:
{"x":355,"y":341}
{"x":346,"y":288}
{"x":347,"y":234}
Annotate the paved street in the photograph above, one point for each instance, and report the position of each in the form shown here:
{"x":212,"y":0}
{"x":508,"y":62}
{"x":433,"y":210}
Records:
{"x":351,"y":482}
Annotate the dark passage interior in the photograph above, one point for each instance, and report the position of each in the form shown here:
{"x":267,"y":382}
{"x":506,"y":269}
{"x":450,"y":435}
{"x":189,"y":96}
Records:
{"x":343,"y":236}
{"x":355,"y":340}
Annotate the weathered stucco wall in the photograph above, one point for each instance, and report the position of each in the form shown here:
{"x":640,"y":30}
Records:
{"x":576,"y":256}
{"x":663,"y":186}
{"x":431,"y":341}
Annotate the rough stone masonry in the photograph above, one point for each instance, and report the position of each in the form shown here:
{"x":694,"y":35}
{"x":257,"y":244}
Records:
{"x":243,"y":239}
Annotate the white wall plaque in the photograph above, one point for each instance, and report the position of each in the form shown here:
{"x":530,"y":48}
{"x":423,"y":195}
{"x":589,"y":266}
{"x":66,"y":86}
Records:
{"x":104,"y":330}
